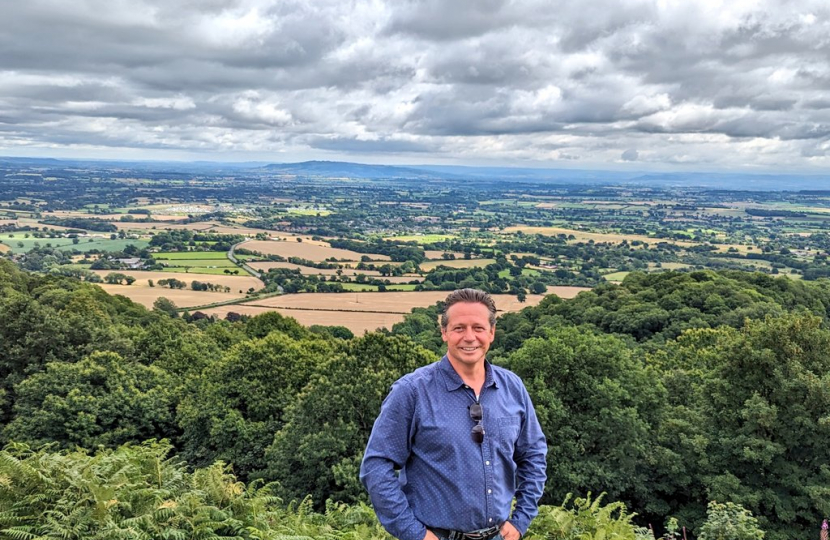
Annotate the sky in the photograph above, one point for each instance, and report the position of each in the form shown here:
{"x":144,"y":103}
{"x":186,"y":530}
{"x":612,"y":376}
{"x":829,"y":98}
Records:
{"x":663,"y":85}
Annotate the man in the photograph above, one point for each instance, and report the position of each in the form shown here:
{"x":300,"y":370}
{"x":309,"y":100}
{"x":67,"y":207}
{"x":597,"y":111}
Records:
{"x":464,"y":437}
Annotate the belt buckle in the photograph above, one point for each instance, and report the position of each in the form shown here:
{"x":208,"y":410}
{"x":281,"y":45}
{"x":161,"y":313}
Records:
{"x":484,"y":534}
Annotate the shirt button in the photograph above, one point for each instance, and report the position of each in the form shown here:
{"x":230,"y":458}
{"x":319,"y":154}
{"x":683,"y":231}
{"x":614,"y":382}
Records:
{"x":486,"y":462}
{"x":489,"y":491}
{"x":491,"y":520}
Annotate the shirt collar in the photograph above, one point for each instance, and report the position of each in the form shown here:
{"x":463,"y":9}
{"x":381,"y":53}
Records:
{"x":453,"y":380}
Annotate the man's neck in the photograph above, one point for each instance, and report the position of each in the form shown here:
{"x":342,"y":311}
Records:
{"x":472,"y":375}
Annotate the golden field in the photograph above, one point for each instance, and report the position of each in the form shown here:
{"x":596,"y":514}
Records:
{"x":243,"y":281}
{"x":181,"y":297}
{"x":306,"y":250}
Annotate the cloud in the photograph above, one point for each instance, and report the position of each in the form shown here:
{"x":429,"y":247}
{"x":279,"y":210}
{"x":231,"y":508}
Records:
{"x":629,"y":155}
{"x":726,"y":85}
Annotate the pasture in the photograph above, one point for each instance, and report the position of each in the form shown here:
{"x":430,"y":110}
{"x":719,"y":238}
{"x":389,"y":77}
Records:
{"x":18,"y":242}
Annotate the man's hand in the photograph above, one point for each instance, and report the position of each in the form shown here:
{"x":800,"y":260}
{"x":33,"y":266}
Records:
{"x":509,"y":532}
{"x":430,"y":535}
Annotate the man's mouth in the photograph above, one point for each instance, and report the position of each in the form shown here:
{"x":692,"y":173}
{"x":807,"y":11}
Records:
{"x":469,"y":349}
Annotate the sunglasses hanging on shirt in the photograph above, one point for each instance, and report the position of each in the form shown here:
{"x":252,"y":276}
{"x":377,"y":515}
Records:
{"x":477,"y":414}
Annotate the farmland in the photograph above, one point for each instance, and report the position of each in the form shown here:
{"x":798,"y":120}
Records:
{"x":313,"y":252}
{"x":365,"y":311}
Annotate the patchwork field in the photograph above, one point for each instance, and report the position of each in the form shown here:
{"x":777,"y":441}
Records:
{"x":456,"y":263}
{"x":241,"y":282}
{"x":18,"y":243}
{"x":306,"y":250}
{"x":356,"y":322}
{"x":435,"y":254}
{"x":584,"y":236}
{"x":360,"y":312}
{"x":309,"y":271}
{"x":388,"y":302}
{"x":181,"y":297}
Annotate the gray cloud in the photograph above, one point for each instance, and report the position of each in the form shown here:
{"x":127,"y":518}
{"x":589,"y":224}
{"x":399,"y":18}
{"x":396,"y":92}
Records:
{"x":629,"y":155}
{"x":468,"y":80}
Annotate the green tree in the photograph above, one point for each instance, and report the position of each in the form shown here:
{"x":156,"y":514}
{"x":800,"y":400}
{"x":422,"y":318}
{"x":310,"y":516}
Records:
{"x":101,"y":400}
{"x":318,"y":450}
{"x":233,"y":410}
{"x":597,"y":405}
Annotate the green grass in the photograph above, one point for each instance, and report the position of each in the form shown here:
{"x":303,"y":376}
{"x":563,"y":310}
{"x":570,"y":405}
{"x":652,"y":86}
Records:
{"x":616,"y":276}
{"x":193,"y":263}
{"x":422,"y":238}
{"x":401,"y":287}
{"x":202,"y":270}
{"x":189,"y":255}
{"x":65,"y":244}
{"x":525,"y":272}
{"x":357,"y":287}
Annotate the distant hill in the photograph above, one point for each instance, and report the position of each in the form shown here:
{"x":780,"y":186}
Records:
{"x":341,"y":169}
{"x":437,"y":173}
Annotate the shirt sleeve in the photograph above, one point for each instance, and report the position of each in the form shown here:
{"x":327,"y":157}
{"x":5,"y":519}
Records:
{"x":530,"y":456}
{"x":387,"y":451}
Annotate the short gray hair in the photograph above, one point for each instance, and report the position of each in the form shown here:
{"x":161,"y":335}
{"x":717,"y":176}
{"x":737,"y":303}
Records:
{"x":471,"y":296}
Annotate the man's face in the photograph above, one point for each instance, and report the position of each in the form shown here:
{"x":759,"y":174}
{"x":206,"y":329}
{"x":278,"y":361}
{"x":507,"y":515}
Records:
{"x":468,"y":334}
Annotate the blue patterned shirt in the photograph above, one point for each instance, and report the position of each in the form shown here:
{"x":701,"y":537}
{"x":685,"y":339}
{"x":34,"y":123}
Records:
{"x":446,"y":480}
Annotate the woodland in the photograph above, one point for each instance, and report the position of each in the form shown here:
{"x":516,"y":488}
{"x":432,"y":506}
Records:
{"x":693,"y":399}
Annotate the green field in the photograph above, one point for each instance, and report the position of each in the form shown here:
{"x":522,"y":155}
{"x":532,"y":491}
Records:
{"x":423,"y":238}
{"x":66,"y":244}
{"x":190,"y":255}
{"x":192,"y":263}
{"x":616,"y":276}
{"x":201,"y":270}
{"x":525,"y":272}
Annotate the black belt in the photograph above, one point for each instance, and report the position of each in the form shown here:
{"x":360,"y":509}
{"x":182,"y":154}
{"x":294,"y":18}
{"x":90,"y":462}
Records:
{"x":481,"y":534}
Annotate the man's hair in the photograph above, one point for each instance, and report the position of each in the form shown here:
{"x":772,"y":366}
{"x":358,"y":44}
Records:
{"x":471,"y":296}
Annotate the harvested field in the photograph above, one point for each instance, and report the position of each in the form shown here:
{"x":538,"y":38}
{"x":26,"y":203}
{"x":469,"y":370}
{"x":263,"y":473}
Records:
{"x":386,"y":302}
{"x":457,"y":263}
{"x":307,"y":250}
{"x":565,"y":292}
{"x":584,"y":236}
{"x":243,"y":282}
{"x":435,"y":254}
{"x":4,"y":248}
{"x":181,"y":297}
{"x":360,"y":312}
{"x":203,"y":226}
{"x":309,"y":271}
{"x":359,"y":323}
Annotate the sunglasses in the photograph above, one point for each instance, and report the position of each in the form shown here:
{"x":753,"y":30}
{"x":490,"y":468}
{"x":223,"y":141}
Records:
{"x":477,"y":414}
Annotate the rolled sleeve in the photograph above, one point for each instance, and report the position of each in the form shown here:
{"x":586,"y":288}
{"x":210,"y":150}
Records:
{"x":387,"y":451}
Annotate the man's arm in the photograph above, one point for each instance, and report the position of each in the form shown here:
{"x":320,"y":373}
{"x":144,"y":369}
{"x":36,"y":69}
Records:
{"x":388,"y":450}
{"x":531,"y":449}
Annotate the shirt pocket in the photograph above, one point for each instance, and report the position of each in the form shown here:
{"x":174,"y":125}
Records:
{"x":509,"y":432}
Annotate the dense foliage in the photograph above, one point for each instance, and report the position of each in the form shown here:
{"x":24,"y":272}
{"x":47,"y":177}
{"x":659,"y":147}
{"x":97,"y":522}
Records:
{"x":666,"y":393}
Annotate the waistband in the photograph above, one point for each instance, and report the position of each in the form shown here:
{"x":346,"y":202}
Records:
{"x":481,"y":534}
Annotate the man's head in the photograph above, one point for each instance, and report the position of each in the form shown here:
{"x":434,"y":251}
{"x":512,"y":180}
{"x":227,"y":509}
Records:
{"x":468,"y":325}
{"x":471,"y":296}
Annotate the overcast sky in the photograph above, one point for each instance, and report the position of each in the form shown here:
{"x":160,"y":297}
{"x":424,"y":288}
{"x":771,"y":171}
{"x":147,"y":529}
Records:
{"x":634,"y":84}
